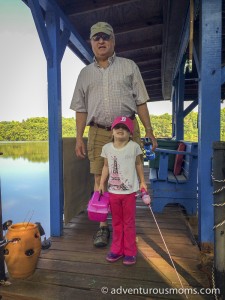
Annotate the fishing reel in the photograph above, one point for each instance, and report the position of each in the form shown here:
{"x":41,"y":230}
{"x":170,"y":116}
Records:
{"x":148,"y":154}
{"x":46,"y":243}
{"x":4,"y":242}
{"x":6,"y":224}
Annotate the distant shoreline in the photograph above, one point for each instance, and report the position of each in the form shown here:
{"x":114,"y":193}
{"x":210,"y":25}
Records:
{"x":36,"y":129}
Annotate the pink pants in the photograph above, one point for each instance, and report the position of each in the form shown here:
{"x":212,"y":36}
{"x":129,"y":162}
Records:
{"x":123,"y":208}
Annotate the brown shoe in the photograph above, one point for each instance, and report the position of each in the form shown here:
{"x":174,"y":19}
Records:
{"x":101,"y":238}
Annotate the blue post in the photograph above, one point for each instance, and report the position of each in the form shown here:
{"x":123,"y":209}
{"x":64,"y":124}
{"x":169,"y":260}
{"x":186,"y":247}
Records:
{"x":173,"y":111}
{"x":55,"y":125}
{"x":180,"y":104}
{"x":54,"y":41}
{"x":190,"y":107}
{"x":2,"y":259}
{"x":174,"y":106}
{"x":209,"y":109}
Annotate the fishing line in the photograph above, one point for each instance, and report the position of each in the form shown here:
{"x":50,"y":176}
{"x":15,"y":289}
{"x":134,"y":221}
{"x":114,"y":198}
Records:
{"x":167,"y":250}
{"x":29,"y":219}
{"x":26,"y":216}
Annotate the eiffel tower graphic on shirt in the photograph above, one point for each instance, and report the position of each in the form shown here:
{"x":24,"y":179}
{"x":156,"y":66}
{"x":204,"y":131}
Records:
{"x":115,"y":182}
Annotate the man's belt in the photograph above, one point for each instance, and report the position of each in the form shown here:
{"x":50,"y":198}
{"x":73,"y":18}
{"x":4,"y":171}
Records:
{"x":100,"y":126}
{"x":106,"y":127}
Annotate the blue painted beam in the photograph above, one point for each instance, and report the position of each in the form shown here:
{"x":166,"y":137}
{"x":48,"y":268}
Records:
{"x":75,"y":37}
{"x":179,"y":130}
{"x":183,"y":44}
{"x":55,"y":126}
{"x":174,"y":96}
{"x":185,"y":40}
{"x":2,"y":257}
{"x":190,"y":108}
{"x":196,"y":61}
{"x":40,"y":25}
{"x":65,"y":36}
{"x":54,"y":38}
{"x":209,"y":109}
{"x":222,"y":75}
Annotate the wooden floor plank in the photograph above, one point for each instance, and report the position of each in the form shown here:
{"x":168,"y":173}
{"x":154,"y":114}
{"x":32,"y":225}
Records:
{"x":45,"y":291}
{"x":74,"y":269}
{"x":86,"y":281}
{"x":189,"y":264}
{"x":79,"y":236}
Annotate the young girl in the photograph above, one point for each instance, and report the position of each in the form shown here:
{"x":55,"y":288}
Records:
{"x":122,"y":167}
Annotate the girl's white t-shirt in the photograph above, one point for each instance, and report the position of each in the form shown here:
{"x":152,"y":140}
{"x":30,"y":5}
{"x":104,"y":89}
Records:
{"x":123,"y":177}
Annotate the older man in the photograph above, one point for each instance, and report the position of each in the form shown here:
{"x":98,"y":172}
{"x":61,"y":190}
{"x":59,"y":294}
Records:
{"x":109,"y":87}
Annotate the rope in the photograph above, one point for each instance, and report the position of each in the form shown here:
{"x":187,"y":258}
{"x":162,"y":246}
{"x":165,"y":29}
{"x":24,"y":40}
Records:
{"x":218,"y":225}
{"x":167,"y":250}
{"x":217,"y":180}
{"x":218,"y":204}
{"x":213,"y":280}
{"x":219,"y":190}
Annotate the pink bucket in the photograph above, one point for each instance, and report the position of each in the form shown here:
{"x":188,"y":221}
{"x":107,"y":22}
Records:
{"x":98,"y":207}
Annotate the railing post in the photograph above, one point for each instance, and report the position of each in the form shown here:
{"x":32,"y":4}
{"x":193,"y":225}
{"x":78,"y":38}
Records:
{"x":219,"y":214}
{"x":2,"y":263}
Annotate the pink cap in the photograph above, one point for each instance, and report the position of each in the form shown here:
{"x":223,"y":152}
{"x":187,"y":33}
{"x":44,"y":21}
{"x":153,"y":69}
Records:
{"x":124,"y":120}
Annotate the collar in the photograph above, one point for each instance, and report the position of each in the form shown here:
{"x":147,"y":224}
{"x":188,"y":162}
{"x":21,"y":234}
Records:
{"x":110,"y":60}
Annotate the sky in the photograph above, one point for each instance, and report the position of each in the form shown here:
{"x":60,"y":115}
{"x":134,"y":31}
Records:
{"x":23,"y":70}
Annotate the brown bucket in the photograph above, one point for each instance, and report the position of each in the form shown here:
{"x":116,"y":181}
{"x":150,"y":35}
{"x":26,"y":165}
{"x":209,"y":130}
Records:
{"x":21,"y":256}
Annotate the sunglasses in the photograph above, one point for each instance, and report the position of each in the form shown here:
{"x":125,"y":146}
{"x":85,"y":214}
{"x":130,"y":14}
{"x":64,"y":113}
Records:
{"x":122,"y":126}
{"x":103,"y":36}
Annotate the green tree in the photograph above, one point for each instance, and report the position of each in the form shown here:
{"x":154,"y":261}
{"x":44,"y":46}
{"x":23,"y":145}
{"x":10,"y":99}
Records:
{"x":36,"y":129}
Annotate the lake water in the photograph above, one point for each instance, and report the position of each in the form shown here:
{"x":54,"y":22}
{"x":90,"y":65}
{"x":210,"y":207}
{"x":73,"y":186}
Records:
{"x":24,"y":173}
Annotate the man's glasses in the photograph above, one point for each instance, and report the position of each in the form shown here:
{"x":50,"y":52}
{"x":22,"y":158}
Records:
{"x":103,"y":36}
{"x":118,"y":126}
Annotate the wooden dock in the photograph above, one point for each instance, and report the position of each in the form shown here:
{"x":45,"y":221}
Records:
{"x":74,"y":269}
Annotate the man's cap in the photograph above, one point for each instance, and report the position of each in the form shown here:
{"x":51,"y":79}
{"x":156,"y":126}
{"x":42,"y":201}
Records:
{"x":124,"y":120}
{"x":101,"y":27}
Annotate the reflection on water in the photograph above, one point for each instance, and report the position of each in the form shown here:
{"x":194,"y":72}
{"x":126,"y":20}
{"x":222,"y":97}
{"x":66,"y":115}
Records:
{"x":24,"y":172}
{"x":32,"y":151}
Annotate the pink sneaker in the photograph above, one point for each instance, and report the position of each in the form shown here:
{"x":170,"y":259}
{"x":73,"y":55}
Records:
{"x":129,"y":260}
{"x":112,"y":257}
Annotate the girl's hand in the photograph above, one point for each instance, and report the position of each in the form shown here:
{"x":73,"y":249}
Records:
{"x":143,"y":185}
{"x":101,"y":188}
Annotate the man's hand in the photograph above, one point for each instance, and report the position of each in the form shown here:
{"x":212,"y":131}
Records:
{"x":154,"y":143}
{"x":149,"y":134}
{"x":80,"y":149}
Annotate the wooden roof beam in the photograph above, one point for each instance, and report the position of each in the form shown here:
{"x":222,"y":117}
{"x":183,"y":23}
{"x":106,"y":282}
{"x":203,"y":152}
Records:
{"x":153,"y":80}
{"x":150,"y":56}
{"x":83,"y":8}
{"x":144,"y":60}
{"x":135,"y":46}
{"x":149,"y":86}
{"x":138,"y":26}
{"x":151,"y":71}
{"x":154,"y":74}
